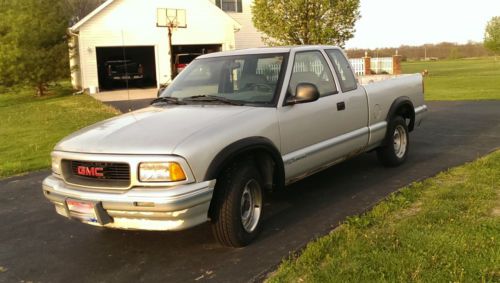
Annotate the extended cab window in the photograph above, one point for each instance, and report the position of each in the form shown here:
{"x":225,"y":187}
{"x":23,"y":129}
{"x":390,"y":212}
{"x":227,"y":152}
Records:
{"x":311,"y":67}
{"x":343,"y":70}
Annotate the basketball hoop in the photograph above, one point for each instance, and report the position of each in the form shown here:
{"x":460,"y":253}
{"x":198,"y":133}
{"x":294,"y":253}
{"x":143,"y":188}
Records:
{"x":171,"y":19}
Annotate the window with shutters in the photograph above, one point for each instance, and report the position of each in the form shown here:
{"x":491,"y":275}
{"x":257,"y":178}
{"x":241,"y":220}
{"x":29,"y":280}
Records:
{"x":230,"y":5}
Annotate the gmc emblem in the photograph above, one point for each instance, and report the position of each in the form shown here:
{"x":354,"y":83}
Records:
{"x":90,"y":171}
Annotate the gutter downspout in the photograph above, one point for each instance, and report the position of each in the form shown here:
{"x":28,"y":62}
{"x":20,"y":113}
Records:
{"x":74,"y":60}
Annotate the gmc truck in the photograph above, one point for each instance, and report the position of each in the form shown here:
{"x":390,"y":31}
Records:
{"x":232,"y":127}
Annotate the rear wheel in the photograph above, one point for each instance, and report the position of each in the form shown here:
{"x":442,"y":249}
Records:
{"x":395,"y":150}
{"x":238,"y":203}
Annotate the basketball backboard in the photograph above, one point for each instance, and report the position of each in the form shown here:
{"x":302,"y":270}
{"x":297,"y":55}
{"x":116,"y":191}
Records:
{"x":175,"y":18}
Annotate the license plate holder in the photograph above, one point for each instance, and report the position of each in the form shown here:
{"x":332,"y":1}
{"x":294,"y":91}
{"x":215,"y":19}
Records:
{"x":87,"y":211}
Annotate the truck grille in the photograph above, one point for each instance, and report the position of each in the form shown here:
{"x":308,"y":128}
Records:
{"x":96,"y":174}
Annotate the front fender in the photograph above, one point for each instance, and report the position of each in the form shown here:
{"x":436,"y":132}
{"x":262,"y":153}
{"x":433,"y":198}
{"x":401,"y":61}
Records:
{"x":241,"y":147}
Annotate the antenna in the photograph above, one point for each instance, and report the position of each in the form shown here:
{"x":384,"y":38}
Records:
{"x":126,"y":73}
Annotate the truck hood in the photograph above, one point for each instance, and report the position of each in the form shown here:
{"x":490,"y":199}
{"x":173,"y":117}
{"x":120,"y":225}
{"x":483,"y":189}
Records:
{"x":153,"y":130}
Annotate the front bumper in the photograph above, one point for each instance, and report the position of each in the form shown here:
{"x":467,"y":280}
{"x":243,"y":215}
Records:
{"x":140,"y":208}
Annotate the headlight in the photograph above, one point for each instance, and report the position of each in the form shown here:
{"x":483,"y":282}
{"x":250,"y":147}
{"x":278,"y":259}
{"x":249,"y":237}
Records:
{"x":56,"y":165}
{"x":161,"y":172}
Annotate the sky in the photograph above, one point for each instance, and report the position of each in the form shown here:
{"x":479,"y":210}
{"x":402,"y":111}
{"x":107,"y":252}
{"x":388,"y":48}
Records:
{"x":392,"y":23}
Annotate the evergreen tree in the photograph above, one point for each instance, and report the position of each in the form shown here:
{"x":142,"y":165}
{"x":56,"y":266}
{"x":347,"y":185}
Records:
{"x":33,"y":43}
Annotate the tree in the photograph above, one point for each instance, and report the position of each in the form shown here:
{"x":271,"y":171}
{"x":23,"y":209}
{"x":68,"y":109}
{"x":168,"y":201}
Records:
{"x":33,"y":43}
{"x":492,"y":35}
{"x":80,"y":8}
{"x":297,"y":22}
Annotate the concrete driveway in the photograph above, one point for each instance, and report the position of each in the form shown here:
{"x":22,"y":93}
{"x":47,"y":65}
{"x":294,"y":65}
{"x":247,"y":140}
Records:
{"x":38,"y":245}
{"x":126,"y":95}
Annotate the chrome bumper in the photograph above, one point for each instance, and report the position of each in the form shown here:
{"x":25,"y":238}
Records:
{"x":160,"y":209}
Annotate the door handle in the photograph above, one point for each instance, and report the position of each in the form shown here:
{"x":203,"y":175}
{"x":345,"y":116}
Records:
{"x":341,"y":106}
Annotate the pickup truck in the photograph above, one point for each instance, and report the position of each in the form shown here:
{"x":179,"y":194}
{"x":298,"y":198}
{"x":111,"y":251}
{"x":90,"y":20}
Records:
{"x":123,"y":70}
{"x":232,"y":127}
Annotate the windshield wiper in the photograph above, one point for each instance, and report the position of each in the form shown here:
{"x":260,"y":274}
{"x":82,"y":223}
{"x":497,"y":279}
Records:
{"x":168,"y":99}
{"x":213,"y":98}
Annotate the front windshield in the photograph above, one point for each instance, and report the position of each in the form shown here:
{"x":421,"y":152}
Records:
{"x":248,"y":79}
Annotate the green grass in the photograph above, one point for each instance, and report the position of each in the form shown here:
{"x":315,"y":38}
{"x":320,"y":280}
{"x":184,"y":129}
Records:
{"x":465,"y":79}
{"x":444,"y":229}
{"x":31,"y":126}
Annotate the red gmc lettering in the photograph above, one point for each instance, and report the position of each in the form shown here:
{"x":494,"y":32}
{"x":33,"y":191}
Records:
{"x":90,"y":171}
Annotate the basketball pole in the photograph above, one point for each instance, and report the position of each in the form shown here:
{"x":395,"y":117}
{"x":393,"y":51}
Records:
{"x":170,"y":22}
{"x":170,"y":46}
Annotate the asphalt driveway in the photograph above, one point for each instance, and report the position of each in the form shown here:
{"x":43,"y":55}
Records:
{"x":129,"y":105}
{"x":38,"y":245}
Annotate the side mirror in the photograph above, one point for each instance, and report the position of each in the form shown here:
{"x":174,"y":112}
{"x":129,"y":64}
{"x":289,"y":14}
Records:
{"x":305,"y":92}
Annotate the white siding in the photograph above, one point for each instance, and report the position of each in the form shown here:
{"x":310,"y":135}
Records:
{"x":248,"y":36}
{"x":133,"y":23}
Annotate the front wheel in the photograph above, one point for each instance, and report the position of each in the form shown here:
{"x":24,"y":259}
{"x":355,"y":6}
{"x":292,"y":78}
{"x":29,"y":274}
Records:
{"x":238,"y":203}
{"x":395,"y":151}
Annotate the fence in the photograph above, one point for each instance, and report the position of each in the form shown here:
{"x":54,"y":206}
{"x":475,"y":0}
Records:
{"x":272,"y":71}
{"x":376,"y":66}
{"x":358,"y":66}
{"x":382,"y":65}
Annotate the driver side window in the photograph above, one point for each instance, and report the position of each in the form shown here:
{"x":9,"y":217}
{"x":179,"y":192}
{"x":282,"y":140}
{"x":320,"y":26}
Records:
{"x":311,"y":67}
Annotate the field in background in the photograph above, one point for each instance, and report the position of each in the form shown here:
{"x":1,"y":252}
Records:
{"x":464,"y":79}
{"x":31,"y":126}
{"x":444,"y":229}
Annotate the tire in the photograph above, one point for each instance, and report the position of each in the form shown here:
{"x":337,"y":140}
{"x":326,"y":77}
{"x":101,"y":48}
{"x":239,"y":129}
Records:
{"x":397,"y":145}
{"x":238,"y":203}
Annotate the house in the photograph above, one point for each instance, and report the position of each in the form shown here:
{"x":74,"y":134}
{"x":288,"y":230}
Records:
{"x":241,"y":11}
{"x":128,"y":29}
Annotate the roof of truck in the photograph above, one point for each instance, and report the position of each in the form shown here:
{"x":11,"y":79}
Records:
{"x":266,"y":50}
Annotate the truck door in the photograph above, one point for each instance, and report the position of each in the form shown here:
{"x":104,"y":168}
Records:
{"x":355,"y":97}
{"x":318,"y":133}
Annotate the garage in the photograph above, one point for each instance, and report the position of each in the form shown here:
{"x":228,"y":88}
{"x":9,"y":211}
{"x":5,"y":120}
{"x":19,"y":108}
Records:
{"x":126,"y":67}
{"x":110,"y":45}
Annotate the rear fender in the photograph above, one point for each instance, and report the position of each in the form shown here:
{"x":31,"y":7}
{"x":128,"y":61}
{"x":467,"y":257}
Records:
{"x":402,"y":106}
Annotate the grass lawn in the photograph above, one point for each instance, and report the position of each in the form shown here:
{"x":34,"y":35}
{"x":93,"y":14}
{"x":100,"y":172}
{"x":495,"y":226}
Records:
{"x":31,"y":126}
{"x":465,"y":79}
{"x":444,"y":229}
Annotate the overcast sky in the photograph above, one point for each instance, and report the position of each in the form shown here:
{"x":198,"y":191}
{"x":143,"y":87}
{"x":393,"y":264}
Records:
{"x":391,"y":23}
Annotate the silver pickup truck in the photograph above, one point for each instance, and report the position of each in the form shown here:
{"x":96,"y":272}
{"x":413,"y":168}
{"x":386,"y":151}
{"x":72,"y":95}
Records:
{"x":230,"y":128}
